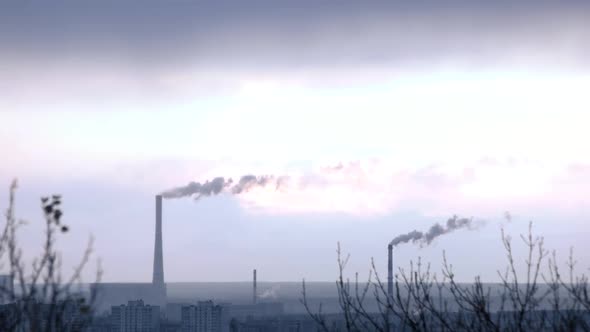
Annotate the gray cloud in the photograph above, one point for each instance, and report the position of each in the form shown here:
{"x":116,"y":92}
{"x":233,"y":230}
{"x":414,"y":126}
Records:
{"x":297,"y":33}
{"x":68,"y":51}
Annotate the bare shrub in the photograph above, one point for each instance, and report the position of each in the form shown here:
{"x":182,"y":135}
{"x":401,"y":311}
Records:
{"x":422,"y":301}
{"x":37,"y":296}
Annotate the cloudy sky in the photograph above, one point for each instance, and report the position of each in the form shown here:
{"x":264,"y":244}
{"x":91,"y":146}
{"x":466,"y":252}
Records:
{"x":395,"y":114}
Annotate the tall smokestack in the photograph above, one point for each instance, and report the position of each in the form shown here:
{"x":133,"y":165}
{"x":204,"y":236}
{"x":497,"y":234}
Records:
{"x":158,"y":276}
{"x":390,"y":270}
{"x":254,"y":287}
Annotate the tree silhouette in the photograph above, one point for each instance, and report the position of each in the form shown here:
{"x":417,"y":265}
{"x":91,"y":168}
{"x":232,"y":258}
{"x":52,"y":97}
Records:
{"x":37,"y":296}
{"x":421,"y":301}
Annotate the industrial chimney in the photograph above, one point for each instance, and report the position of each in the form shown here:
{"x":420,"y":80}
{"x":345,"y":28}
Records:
{"x":390,"y":270}
{"x":158,"y":276}
{"x":254,"y":287}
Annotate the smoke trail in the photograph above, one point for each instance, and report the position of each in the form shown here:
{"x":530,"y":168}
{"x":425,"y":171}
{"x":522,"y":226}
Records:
{"x":404,"y":238}
{"x":247,"y":182}
{"x":218,"y":185}
{"x":198,"y":189}
{"x":270,"y":293}
{"x":435,"y":231}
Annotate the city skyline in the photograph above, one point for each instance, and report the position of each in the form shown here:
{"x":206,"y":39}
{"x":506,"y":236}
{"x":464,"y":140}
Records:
{"x":388,"y":117}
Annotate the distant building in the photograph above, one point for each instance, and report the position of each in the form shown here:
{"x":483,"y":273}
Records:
{"x":112,"y":294}
{"x":203,"y":317}
{"x":169,"y":326}
{"x":135,"y":317}
{"x":76,"y":315}
{"x":260,"y":309}
{"x":67,"y":315}
{"x":101,"y":323}
{"x":276,"y":324}
{"x":6,"y":288}
{"x":174,"y":310}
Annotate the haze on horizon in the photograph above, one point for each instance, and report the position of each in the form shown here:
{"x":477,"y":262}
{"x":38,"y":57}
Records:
{"x":389,"y":115}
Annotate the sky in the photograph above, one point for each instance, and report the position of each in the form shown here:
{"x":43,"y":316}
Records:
{"x":389,"y":116}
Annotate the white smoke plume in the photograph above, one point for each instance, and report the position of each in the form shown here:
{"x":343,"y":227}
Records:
{"x":435,"y":231}
{"x":270,"y":293}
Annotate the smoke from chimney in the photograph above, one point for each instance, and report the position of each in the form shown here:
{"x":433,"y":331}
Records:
{"x":218,"y":185}
{"x":415,"y":236}
{"x":435,"y":231}
{"x":197,"y":189}
{"x":270,"y":293}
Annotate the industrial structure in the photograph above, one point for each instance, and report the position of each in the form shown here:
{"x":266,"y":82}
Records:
{"x":154,"y":293}
{"x":158,"y":273}
{"x":390,"y":270}
{"x":143,"y":300}
{"x":254,"y":295}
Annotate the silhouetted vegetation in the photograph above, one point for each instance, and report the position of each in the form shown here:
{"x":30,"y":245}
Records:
{"x":545,"y":300}
{"x":35,"y":295}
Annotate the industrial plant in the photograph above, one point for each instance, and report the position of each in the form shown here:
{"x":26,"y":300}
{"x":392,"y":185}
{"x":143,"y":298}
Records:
{"x":127,"y":306}
{"x":153,"y":293}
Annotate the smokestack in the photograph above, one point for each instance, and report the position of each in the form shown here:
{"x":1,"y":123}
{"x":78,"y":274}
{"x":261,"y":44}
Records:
{"x":390,"y":271}
{"x":254,"y":288}
{"x":158,"y":276}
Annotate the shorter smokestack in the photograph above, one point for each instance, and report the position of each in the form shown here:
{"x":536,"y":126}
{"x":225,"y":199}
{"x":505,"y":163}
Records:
{"x":254,"y":287}
{"x":390,"y":270}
